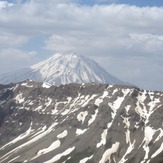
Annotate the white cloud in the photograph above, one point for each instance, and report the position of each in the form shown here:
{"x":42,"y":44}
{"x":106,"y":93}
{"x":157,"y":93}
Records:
{"x":55,"y":17}
{"x":148,"y":42}
{"x":58,"y":43}
{"x":12,"y":59}
{"x":112,"y":1}
{"x":146,"y":45}
{"x":11,"y":40}
{"x":111,"y":34}
{"x":5,"y":4}
{"x":141,"y":71}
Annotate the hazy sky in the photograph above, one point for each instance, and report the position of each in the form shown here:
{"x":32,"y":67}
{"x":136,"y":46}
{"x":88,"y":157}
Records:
{"x":124,"y":36}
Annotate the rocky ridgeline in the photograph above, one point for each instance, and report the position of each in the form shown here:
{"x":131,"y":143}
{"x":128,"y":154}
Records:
{"x":79,"y":123}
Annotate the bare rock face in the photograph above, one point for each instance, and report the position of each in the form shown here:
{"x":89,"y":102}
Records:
{"x":79,"y":123}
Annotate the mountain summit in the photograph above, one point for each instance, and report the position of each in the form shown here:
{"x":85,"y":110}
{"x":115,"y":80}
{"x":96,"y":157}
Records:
{"x":63,"y":69}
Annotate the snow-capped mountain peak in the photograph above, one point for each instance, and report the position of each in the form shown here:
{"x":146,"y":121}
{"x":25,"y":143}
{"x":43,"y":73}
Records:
{"x":63,"y":69}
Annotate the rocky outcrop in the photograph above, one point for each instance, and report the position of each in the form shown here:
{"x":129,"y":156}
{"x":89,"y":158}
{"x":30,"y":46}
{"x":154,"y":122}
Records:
{"x":78,"y":123}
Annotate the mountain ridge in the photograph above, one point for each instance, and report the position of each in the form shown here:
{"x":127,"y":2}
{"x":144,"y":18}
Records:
{"x":80,"y":122}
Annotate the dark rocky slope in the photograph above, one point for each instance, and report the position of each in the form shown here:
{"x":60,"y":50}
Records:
{"x":79,"y":123}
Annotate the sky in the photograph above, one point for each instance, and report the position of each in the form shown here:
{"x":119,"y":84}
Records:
{"x":123,"y":36}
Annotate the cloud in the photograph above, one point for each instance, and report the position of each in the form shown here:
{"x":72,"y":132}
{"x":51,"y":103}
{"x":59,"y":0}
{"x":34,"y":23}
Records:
{"x":131,"y":45}
{"x":11,"y":40}
{"x":110,"y":1}
{"x":70,"y":18}
{"x":12,"y":59}
{"x":152,"y":44}
{"x":5,"y":4}
{"x":121,"y":36}
{"x":58,"y":43}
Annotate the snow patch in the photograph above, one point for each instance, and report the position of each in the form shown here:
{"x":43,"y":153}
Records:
{"x":106,"y":156}
{"x":93,"y":118}
{"x":88,"y":100}
{"x":38,"y":108}
{"x":49,"y":101}
{"x":69,"y":99}
{"x":26,"y":84}
{"x":80,"y":131}
{"x":81,"y":116}
{"x":103,"y":139}
{"x":65,"y":112}
{"x":20,"y":137}
{"x":46,"y":85}
{"x":52,"y":147}
{"x":127,"y":108}
{"x":158,"y":151}
{"x":129,"y":150}
{"x":34,"y":139}
{"x":19,"y":98}
{"x":85,"y":159}
{"x":57,"y":157}
{"x":63,"y":134}
{"x":148,"y":135}
{"x":160,"y":135}
{"x":99,"y":100}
